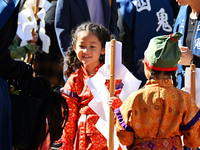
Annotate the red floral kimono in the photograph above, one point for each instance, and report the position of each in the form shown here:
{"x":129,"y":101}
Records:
{"x":156,"y":116}
{"x":80,"y":132}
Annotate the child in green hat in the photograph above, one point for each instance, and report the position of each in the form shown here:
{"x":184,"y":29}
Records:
{"x":157,"y":115}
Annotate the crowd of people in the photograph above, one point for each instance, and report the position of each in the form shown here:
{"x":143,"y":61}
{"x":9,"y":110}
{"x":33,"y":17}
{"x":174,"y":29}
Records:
{"x":160,"y":38}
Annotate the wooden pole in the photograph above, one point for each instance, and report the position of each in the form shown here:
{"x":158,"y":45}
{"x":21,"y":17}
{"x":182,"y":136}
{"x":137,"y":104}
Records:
{"x":110,"y":2}
{"x":193,"y":86}
{"x":36,"y":9}
{"x":112,"y":93}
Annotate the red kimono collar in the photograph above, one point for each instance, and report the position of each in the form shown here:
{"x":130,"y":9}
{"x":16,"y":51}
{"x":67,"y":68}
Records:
{"x":96,"y":69}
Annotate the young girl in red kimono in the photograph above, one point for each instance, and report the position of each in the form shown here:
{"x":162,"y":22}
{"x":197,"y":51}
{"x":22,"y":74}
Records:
{"x":84,"y":58}
{"x":157,"y":115}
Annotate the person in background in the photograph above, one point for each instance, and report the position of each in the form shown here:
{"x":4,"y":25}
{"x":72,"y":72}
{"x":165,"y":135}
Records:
{"x":20,"y":71}
{"x":157,"y":115}
{"x":50,"y":65}
{"x":188,"y":23}
{"x":9,"y":68}
{"x":139,"y":21}
{"x":70,"y":14}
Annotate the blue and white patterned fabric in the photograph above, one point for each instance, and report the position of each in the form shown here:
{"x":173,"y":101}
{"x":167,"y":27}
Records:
{"x":180,"y":26}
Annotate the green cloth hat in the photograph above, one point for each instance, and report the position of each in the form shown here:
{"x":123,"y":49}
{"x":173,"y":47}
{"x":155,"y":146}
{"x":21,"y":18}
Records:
{"x":163,"y":53}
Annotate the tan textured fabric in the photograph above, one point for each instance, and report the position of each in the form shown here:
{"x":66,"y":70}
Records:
{"x":157,"y":111}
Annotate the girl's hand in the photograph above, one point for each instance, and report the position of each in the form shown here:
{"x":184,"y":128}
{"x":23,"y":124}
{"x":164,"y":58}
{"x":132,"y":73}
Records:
{"x":35,"y":38}
{"x":114,"y":102}
{"x":111,"y":99}
{"x":186,"y":56}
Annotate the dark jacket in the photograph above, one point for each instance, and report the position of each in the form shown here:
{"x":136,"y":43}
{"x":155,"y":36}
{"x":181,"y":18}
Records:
{"x":9,"y":67}
{"x":139,"y":21}
{"x":71,"y":13}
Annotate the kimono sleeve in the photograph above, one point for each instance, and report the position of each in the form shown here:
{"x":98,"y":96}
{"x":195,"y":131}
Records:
{"x":191,"y":124}
{"x":70,"y":94}
{"x":124,"y":130}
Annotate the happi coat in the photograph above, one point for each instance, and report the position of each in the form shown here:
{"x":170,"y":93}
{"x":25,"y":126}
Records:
{"x":80,"y":131}
{"x":156,"y":116}
{"x":180,"y":26}
{"x":139,"y":21}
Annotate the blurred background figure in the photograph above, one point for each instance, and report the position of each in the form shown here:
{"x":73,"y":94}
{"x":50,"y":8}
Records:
{"x":188,"y":23}
{"x":50,"y":65}
{"x":54,"y":107}
{"x":43,"y":51}
{"x":9,"y":68}
{"x":139,"y":21}
{"x":70,"y":14}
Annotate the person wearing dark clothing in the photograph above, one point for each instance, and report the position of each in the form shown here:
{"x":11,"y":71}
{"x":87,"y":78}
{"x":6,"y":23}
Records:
{"x":53,"y":113}
{"x":50,"y":65}
{"x":188,"y":23}
{"x":71,"y":13}
{"x":9,"y":68}
{"x":138,"y":22}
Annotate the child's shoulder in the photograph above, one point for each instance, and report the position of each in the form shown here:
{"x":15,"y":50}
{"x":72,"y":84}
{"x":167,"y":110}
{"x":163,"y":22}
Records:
{"x":184,"y":92}
{"x":137,"y":93}
{"x":149,"y":89}
{"x":75,"y":75}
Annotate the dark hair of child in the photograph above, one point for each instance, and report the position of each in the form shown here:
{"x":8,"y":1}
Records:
{"x":155,"y":73}
{"x":99,"y":31}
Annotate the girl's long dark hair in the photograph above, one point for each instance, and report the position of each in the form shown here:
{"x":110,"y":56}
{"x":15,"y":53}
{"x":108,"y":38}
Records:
{"x":102,"y":34}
